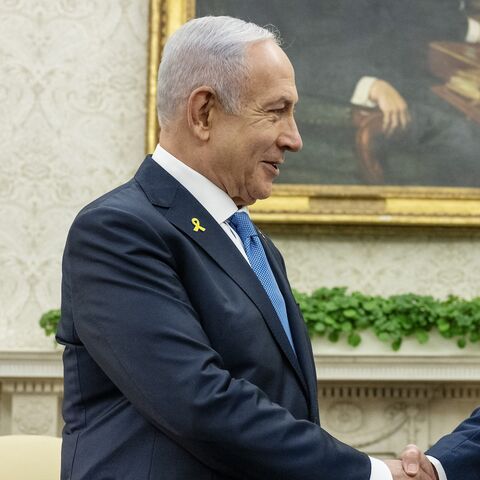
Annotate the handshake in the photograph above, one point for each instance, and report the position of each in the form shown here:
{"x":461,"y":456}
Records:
{"x":412,"y":464}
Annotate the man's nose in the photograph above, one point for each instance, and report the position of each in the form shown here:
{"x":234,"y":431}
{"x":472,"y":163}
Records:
{"x":291,"y":139}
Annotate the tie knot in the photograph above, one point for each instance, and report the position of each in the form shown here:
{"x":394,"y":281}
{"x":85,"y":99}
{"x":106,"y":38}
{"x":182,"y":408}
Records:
{"x":243,"y":225}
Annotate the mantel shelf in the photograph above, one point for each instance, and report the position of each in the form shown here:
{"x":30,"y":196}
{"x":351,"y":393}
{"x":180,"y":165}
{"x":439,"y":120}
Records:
{"x":397,"y":368}
{"x":31,"y":364}
{"x":439,"y":360}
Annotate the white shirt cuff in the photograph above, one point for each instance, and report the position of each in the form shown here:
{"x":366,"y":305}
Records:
{"x":438,"y":466}
{"x":380,"y":471}
{"x":473,"y":32}
{"x":362,"y":91}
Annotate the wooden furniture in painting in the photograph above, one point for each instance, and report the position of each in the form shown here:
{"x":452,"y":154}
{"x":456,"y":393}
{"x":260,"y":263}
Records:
{"x":448,"y":60}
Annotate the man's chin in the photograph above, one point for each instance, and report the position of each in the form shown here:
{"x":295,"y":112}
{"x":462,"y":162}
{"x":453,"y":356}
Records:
{"x":251,"y":197}
{"x":263,"y":193}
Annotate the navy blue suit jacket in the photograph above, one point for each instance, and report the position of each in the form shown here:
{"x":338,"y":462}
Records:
{"x":176,"y":365}
{"x":459,"y":452}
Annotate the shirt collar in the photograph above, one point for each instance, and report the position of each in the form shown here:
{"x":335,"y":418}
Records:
{"x":217,"y":203}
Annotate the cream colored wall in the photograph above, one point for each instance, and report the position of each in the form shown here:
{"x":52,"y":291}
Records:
{"x":384,"y":265}
{"x":72,"y":123}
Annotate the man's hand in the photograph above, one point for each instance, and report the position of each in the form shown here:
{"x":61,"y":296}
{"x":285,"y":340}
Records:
{"x":414,"y":460}
{"x":392,"y":105}
{"x":398,"y":473}
{"x":413,"y":464}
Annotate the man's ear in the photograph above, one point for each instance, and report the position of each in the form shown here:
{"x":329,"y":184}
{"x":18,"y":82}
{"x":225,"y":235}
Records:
{"x":199,"y":111}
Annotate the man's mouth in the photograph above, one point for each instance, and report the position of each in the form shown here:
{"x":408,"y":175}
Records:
{"x":275,"y":166}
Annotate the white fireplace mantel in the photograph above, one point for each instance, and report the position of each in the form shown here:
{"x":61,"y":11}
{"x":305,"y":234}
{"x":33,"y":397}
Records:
{"x":437,"y":360}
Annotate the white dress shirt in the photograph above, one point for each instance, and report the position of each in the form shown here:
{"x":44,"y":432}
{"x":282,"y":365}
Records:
{"x":221,"y":207}
{"x":438,"y":466}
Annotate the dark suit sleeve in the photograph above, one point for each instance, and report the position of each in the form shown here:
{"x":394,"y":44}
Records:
{"x":136,"y":321}
{"x":459,"y":452}
{"x":429,"y":20}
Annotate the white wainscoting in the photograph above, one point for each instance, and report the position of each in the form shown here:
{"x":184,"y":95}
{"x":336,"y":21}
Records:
{"x":31,"y":391}
{"x":379,"y":401}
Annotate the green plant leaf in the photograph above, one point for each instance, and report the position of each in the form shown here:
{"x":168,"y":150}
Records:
{"x":334,"y":336}
{"x":319,"y":327}
{"x":350,"y":313}
{"x":396,"y":344}
{"x":354,"y":339}
{"x":346,"y":327}
{"x":49,"y":321}
{"x":422,"y":336}
{"x":384,"y":337}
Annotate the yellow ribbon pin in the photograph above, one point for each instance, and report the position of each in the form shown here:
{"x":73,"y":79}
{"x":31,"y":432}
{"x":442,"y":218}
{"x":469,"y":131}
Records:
{"x":197,"y":226}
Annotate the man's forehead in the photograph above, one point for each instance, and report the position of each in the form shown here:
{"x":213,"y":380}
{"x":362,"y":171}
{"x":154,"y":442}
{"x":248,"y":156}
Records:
{"x":266,"y":51}
{"x":272,"y":86}
{"x":266,"y":60}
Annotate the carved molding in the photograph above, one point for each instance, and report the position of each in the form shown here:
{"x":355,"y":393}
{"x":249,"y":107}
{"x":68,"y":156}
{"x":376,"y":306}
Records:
{"x":42,"y":364}
{"x":424,"y":392}
{"x":348,"y":419}
{"x":381,"y":419}
{"x":38,"y":386}
{"x":376,"y":391}
{"x":426,"y":369}
{"x":34,"y":415}
{"x":345,"y":417}
{"x":439,"y":360}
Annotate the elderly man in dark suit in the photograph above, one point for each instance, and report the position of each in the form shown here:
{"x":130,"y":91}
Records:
{"x":186,"y":356}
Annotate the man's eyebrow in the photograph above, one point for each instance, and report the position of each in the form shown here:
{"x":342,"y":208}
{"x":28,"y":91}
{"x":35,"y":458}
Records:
{"x":283,"y":100}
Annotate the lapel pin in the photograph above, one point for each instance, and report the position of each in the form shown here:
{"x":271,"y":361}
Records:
{"x":196,"y":225}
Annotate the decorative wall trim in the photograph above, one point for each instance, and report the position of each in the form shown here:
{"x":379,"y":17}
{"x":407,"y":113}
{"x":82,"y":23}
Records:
{"x":31,"y":364}
{"x":439,"y":360}
{"x":35,"y":387}
{"x":425,"y":369}
{"x":380,"y":390}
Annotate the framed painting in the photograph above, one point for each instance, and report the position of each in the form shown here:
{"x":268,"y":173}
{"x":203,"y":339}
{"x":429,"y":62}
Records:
{"x":390,"y":116}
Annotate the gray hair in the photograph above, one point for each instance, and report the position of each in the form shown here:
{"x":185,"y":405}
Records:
{"x":207,"y":51}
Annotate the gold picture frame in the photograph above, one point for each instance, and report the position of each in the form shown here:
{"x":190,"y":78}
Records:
{"x":294,"y":206}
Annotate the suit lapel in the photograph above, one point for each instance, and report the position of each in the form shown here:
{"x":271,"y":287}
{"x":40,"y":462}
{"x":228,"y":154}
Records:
{"x":296,"y":325}
{"x":185,"y":212}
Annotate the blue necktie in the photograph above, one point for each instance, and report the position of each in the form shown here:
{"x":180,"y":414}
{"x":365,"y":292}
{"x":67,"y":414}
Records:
{"x":242,"y":224}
